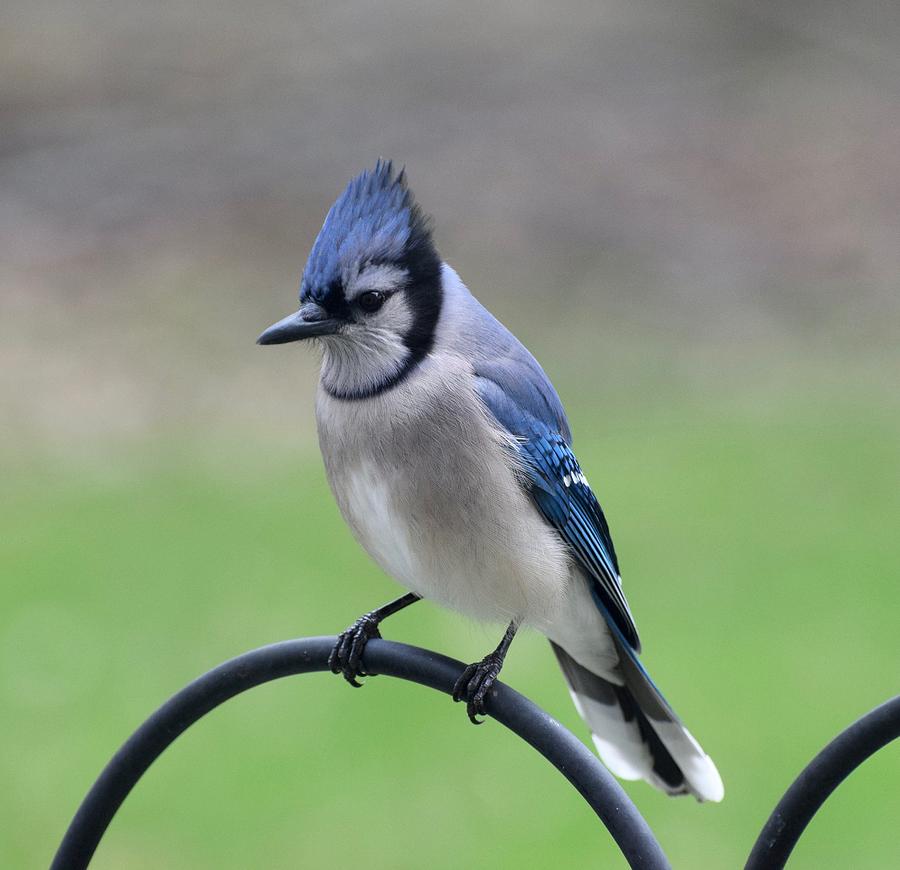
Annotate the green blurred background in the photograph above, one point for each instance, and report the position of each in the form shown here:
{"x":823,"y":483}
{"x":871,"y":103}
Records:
{"x":687,"y":210}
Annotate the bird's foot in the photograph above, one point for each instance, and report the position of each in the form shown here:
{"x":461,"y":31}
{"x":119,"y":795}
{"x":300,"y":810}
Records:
{"x":475,"y":682}
{"x":346,"y":657}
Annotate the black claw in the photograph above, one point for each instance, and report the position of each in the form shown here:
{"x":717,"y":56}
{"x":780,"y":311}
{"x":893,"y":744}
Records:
{"x":346,"y":655}
{"x":461,"y":689}
{"x":475,"y":683}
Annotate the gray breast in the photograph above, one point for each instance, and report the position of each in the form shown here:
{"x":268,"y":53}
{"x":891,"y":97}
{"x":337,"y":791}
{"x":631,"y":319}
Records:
{"x":427,"y":482}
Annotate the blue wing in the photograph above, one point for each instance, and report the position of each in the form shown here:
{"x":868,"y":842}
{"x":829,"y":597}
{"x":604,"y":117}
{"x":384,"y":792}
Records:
{"x":558,"y":486}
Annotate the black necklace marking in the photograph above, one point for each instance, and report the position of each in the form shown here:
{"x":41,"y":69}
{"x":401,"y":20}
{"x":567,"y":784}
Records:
{"x":388,"y":383}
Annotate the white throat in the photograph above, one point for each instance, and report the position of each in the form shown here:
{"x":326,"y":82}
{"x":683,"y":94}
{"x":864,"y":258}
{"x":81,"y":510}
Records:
{"x":360,"y":361}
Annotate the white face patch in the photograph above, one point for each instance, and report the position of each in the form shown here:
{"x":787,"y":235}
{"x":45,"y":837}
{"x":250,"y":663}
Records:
{"x":368,"y":352}
{"x":381,"y":277}
{"x":370,"y":348}
{"x":394,"y":317}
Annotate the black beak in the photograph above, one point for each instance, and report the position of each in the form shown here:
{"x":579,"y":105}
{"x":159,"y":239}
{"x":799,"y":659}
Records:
{"x":310,"y":321}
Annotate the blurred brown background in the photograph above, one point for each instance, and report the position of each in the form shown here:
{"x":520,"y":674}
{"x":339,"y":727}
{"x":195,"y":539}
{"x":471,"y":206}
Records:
{"x":723,"y":172}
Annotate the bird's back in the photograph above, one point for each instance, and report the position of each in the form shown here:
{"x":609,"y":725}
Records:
{"x":470,"y":330}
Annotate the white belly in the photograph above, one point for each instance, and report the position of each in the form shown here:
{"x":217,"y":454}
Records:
{"x":387,"y":539}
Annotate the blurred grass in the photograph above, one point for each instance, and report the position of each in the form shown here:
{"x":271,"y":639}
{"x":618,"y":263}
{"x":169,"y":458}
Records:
{"x":760,"y":553}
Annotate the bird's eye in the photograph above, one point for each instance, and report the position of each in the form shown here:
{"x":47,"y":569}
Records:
{"x":370,"y":301}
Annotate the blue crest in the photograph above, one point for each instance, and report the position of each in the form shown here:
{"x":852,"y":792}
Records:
{"x":375,"y":220}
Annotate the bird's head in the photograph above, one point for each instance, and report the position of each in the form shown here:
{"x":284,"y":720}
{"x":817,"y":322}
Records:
{"x":371,"y":290}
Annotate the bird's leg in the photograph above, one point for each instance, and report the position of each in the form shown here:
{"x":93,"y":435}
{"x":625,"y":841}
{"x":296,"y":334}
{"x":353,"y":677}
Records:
{"x":476,"y":680}
{"x":346,"y":657}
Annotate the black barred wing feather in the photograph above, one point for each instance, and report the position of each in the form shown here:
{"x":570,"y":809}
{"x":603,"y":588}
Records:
{"x":565,"y":498}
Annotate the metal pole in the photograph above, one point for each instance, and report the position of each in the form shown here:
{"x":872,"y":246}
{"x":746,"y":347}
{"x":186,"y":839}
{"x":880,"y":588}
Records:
{"x":818,"y":780}
{"x":559,"y":746}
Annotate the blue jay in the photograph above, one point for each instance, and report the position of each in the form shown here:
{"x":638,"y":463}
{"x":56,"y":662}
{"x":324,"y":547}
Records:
{"x":449,"y":455}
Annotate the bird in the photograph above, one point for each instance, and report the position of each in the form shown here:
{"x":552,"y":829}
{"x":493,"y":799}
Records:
{"x":449,"y":455}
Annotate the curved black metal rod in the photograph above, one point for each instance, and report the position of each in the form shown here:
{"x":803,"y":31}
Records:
{"x":558,"y":745}
{"x":818,"y":780}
